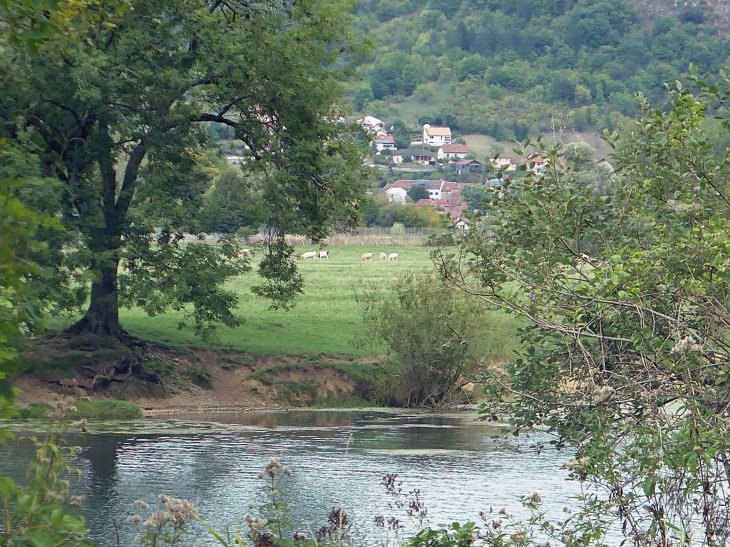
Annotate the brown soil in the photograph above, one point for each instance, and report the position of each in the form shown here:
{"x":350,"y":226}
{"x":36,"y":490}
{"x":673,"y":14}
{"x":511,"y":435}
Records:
{"x":162,"y":382}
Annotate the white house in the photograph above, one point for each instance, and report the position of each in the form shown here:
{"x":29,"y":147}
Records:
{"x":372,"y":124}
{"x":386,"y":142}
{"x":395,"y":193}
{"x":453,"y":151}
{"x":436,"y":136}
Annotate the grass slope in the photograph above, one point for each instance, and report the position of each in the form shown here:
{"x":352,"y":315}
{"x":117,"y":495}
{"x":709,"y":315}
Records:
{"x":325,"y":320}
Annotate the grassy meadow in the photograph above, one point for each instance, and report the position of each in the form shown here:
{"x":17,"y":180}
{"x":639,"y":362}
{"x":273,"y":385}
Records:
{"x":326,"y":319}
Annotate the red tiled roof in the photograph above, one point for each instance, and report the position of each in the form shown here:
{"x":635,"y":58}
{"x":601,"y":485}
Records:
{"x":454,"y":149}
{"x":438,"y":131}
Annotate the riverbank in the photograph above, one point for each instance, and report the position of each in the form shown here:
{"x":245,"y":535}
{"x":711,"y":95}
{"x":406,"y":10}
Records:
{"x":171,"y":380}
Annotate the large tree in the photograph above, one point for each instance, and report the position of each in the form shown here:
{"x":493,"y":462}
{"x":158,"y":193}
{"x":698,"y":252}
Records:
{"x":115,"y":119}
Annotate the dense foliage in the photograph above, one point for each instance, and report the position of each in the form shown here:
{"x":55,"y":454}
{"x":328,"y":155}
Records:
{"x":626,"y":294}
{"x":111,"y":123}
{"x":509,"y":68}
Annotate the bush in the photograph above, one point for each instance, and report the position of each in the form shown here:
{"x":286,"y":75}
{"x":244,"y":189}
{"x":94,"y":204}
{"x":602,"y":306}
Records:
{"x":434,"y":334}
{"x":109,"y":409}
{"x":34,"y":410}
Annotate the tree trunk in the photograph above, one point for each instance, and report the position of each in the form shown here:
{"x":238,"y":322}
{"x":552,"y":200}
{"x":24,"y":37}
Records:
{"x":102,"y":317}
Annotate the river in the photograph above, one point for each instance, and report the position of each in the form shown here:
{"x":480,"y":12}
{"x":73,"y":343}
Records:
{"x":337,"y":459}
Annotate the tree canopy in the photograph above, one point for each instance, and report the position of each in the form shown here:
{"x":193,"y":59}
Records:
{"x":111,"y":125}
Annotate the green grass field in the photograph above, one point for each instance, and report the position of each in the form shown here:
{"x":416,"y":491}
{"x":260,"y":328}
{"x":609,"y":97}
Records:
{"x":325,"y":320}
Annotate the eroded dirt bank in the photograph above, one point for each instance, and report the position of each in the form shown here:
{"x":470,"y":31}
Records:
{"x":164,"y":380}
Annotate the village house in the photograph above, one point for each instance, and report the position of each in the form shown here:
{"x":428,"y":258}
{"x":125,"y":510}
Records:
{"x":437,"y":189}
{"x":372,"y":124}
{"x":445,"y":196}
{"x":396,"y":191}
{"x":386,"y":142}
{"x":453,"y":151}
{"x":436,"y":136}
{"x":468,"y":166}
{"x":417,"y":156}
{"x":503,"y":163}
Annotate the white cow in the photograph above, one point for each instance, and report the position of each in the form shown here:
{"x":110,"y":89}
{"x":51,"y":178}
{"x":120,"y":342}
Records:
{"x":382,"y":255}
{"x":324,"y":254}
{"x":367,"y":256}
{"x":309,"y":254}
{"x":243,"y":253}
{"x":393,"y":256}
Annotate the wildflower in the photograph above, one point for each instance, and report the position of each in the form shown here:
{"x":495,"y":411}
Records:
{"x":141,"y":504}
{"x":300,"y":536}
{"x":271,"y":467}
{"x":81,"y":424}
{"x":286,"y":470}
{"x":503,"y":511}
{"x":261,"y":475}
{"x":64,"y":484}
{"x":76,"y":501}
{"x":576,"y":465}
{"x":134,"y":519}
{"x":565,"y":509}
{"x":251,"y":506}
{"x":686,"y":345}
{"x":496,"y":524}
{"x":181,"y":509}
{"x":255,"y":523}
{"x":534,"y":498}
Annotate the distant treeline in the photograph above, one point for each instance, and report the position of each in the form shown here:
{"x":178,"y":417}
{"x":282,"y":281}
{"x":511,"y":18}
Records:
{"x":518,"y":67}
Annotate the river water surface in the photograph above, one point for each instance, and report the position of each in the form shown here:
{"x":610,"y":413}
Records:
{"x":337,"y":458}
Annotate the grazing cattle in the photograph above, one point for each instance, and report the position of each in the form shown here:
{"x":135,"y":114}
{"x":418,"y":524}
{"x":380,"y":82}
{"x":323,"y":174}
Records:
{"x":367,"y":256}
{"x":310,"y":254}
{"x":324,"y":254}
{"x":243,"y":253}
{"x":393,"y":256}
{"x":382,"y":255}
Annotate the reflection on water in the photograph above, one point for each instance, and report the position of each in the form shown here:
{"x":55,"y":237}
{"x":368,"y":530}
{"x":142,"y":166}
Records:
{"x":337,"y":459}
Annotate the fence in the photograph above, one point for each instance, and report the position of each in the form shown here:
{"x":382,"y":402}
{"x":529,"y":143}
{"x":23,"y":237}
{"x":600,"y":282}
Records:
{"x":370,"y":235}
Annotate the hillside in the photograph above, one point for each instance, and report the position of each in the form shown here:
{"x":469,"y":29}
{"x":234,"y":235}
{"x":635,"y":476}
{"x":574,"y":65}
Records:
{"x":515,"y":68}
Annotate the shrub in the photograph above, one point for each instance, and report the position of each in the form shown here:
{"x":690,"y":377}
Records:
{"x":108,"y":409}
{"x":433,"y":333}
{"x":34,"y":410}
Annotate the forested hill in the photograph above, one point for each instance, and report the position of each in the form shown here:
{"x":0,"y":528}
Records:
{"x":509,"y":68}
